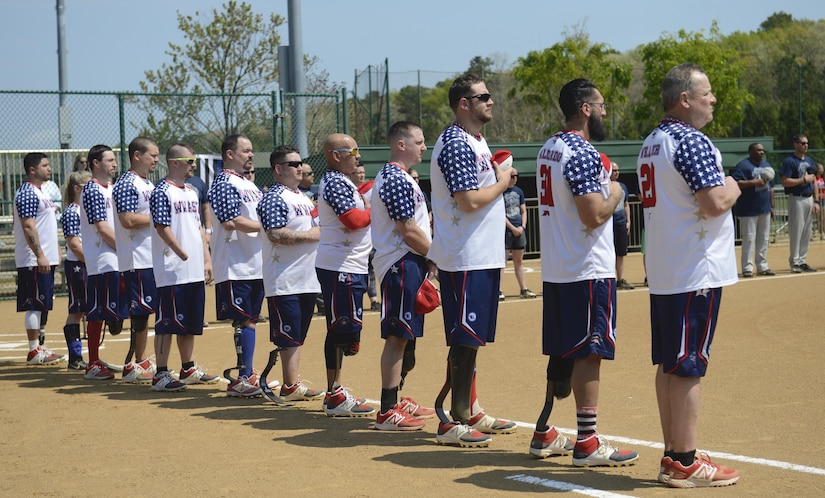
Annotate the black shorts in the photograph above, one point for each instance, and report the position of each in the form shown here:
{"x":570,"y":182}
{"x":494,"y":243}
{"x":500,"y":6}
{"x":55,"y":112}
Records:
{"x":620,"y":239}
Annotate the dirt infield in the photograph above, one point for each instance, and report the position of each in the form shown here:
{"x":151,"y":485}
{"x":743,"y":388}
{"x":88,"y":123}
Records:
{"x":762,"y":411}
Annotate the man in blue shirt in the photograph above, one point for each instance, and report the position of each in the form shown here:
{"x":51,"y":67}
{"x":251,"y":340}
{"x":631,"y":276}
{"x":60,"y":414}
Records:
{"x":754,"y":209}
{"x":799,"y":179}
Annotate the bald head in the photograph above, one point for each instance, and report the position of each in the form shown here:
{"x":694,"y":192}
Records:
{"x":341,"y":153}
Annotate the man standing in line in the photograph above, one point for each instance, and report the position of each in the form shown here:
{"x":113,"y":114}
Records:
{"x":799,"y":179}
{"x":341,"y":265}
{"x":468,"y":248}
{"x":578,"y":268}
{"x":754,"y":209}
{"x":104,"y":300}
{"x":289,"y":251}
{"x":690,"y":256}
{"x":236,"y":252}
{"x":400,"y":231}
{"x":182,"y":266}
{"x":36,"y":254}
{"x":133,"y":234}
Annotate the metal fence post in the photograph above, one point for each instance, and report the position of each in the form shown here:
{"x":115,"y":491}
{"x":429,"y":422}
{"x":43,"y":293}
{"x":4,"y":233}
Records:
{"x":121,"y":111}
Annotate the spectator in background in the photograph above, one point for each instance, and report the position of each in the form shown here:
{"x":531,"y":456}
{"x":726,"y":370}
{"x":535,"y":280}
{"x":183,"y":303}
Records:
{"x":205,"y":211}
{"x":306,"y":186}
{"x":515,"y":233}
{"x":81,"y":163}
{"x":359,"y":178}
{"x":820,"y":185}
{"x":754,"y":209}
{"x":621,"y":225}
{"x":799,"y":179}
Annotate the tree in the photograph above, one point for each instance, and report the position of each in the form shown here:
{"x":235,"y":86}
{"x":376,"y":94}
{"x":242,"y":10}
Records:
{"x":540,"y":75}
{"x":231,"y":53}
{"x":776,"y":20}
{"x":723,"y":66}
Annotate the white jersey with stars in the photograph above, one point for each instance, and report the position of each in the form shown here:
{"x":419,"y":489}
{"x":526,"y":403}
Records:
{"x":341,"y":249}
{"x":464,"y":241}
{"x":568,"y":166}
{"x":396,"y":196}
{"x":178,"y":208}
{"x":288,"y":269}
{"x":96,"y":205}
{"x":134,"y":246}
{"x":31,"y":202}
{"x":236,"y":255}
{"x":686,"y":250}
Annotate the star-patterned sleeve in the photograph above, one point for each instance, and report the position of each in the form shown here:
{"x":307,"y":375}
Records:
{"x":160,"y":207}
{"x":27,"y":202}
{"x":70,"y":222}
{"x":125,"y":195}
{"x":397,"y":194}
{"x":94,"y":203}
{"x":339,"y":194}
{"x":583,"y":169}
{"x":272,"y":210}
{"x":225,"y":200}
{"x":695,"y":160}
{"x":458,"y":165}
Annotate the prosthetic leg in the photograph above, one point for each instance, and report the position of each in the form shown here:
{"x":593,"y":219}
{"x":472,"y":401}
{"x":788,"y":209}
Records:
{"x":265,"y":390}
{"x":115,"y":327}
{"x":408,"y":363}
{"x":460,"y":372}
{"x":238,"y":337}
{"x":545,"y":442}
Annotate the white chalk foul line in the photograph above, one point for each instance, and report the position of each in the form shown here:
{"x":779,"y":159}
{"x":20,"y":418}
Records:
{"x":715,"y":454}
{"x":563,"y":486}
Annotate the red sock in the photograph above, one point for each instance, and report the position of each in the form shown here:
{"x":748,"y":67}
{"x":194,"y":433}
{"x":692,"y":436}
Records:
{"x":93,"y":330}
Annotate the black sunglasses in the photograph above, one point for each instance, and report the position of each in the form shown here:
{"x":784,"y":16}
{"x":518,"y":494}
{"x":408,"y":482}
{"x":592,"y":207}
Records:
{"x":294,"y":164}
{"x":249,"y":172}
{"x":482,"y":97}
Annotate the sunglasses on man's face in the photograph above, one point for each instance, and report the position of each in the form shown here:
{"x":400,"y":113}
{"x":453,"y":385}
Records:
{"x":249,"y":172}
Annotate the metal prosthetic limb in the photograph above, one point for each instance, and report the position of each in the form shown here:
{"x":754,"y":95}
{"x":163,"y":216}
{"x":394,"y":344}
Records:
{"x":265,"y":390}
{"x":238,"y":337}
{"x":131,"y":351}
{"x":442,"y":395}
{"x":559,"y":374}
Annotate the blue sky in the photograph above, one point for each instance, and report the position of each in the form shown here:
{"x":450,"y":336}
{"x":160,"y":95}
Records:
{"x":112,"y":42}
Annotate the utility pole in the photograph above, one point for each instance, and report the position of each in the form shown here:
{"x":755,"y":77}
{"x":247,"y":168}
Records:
{"x":64,"y":112}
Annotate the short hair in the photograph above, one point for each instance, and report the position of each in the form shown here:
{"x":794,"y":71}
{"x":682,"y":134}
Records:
{"x":32,"y":159}
{"x":230,"y":143}
{"x":574,"y":94}
{"x":798,"y":137}
{"x":174,"y":151}
{"x":280,"y":153}
{"x":461,"y":88}
{"x":752,"y":147}
{"x":679,"y":79}
{"x":96,"y":153}
{"x":140,"y":144}
{"x":75,"y":178}
{"x":401,"y":130}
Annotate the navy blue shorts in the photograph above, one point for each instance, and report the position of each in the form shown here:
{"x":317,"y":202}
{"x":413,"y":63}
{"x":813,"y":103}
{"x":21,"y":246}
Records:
{"x":75,"y":272}
{"x":682,"y":328}
{"x":398,"y":290}
{"x":579,"y":319}
{"x":180,"y":309}
{"x":106,"y":297}
{"x":289,"y":319}
{"x":239,"y":299}
{"x":140,"y":284}
{"x":35,"y":290}
{"x":343,"y":301}
{"x":469,"y":303}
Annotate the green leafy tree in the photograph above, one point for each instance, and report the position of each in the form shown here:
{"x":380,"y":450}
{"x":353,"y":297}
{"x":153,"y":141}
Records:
{"x":540,"y":75}
{"x":231,"y":52}
{"x":723,"y":66}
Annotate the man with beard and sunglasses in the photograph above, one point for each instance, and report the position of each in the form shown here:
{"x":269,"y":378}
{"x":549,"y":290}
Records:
{"x":576,"y":204}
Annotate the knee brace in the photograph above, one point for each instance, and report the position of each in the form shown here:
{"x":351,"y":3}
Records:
{"x":32,"y":320}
